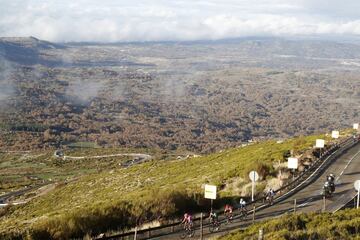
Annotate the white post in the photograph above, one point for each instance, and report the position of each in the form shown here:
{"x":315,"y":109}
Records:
{"x":252,"y":190}
{"x":135,"y":235}
{"x":358,"y":198}
{"x":201,"y":226}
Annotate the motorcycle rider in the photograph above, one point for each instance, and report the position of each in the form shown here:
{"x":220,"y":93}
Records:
{"x":327,"y":189}
{"x":331,"y":179}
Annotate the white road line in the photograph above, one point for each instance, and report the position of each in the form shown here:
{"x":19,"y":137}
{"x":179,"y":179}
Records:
{"x":305,"y":203}
{"x":342,"y":172}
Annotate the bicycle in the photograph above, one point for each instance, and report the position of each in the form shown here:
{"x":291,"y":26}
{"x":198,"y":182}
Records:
{"x":243,"y":213}
{"x":214,"y":226}
{"x":270,"y":199}
{"x":229,"y":217}
{"x":189,"y":231}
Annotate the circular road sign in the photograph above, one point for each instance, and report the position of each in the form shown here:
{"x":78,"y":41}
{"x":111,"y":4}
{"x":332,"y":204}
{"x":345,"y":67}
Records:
{"x":357,"y":185}
{"x":254,"y":176}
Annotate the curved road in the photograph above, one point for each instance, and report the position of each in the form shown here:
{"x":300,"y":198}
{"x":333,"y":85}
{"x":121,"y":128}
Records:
{"x":347,"y":170}
{"x":137,"y":158}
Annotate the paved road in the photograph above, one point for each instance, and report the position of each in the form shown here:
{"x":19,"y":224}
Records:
{"x":347,"y":170}
{"x":4,"y":198}
{"x":137,"y":158}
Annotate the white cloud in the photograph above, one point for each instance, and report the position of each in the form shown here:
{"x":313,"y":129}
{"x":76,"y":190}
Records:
{"x":142,"y":20}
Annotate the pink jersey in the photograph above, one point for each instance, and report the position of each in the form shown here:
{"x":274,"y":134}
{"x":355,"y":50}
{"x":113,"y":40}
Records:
{"x":188,"y":219}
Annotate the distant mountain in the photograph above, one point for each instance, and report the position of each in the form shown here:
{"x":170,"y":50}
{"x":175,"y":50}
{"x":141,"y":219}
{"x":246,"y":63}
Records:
{"x":262,"y":46}
{"x":26,"y":51}
{"x":31,"y":51}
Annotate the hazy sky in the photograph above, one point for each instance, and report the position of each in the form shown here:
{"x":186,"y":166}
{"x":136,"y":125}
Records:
{"x":152,"y":20}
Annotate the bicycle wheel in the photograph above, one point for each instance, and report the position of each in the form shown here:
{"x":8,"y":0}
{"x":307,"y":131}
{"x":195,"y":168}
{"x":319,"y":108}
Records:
{"x":243,"y":214}
{"x":191,"y":232}
{"x":183,"y":234}
{"x":214,"y":227}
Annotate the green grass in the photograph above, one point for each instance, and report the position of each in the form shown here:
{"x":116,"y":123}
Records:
{"x":155,"y":190}
{"x":341,"y":225}
{"x":16,"y":168}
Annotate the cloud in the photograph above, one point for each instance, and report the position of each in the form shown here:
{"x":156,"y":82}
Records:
{"x":141,"y":20}
{"x":84,"y":91}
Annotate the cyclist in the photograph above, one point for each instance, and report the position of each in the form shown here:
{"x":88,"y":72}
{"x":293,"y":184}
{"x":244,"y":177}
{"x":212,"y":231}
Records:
{"x":228,"y":212}
{"x":242,"y":204}
{"x":187,"y":221}
{"x":270,"y":195}
{"x":213,"y":217}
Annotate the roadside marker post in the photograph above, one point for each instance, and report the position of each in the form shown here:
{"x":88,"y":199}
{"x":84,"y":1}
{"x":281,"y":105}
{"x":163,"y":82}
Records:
{"x":261,"y":234}
{"x":201,"y":226}
{"x":254,"y":176}
{"x":135,"y":235}
{"x":210,"y":193}
{"x":320,"y":143}
{"x":335,"y":134}
{"x":253,"y":216}
{"x":293,"y":164}
{"x":357,"y":187}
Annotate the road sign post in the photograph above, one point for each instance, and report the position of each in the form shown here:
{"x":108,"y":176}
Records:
{"x":135,"y":234}
{"x":335,"y":134}
{"x":210,"y":193}
{"x":357,"y":187}
{"x":201,"y":226}
{"x":253,"y":215}
{"x":320,"y":143}
{"x":254,"y":176}
{"x":261,"y":234}
{"x":293,"y":165}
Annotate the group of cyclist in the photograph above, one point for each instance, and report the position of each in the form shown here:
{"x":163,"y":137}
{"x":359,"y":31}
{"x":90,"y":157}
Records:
{"x":228,"y":212}
{"x":213,"y":216}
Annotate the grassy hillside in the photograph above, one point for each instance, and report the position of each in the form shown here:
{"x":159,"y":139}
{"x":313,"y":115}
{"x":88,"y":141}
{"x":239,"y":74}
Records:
{"x":23,"y":169}
{"x":155,"y":190}
{"x":341,"y":225}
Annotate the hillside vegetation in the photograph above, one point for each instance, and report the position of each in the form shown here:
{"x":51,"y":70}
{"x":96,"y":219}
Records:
{"x":201,"y":97}
{"x":156,"y":190}
{"x":344,"y":225}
